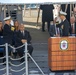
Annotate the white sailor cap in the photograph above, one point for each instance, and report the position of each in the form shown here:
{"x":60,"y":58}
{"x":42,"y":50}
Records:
{"x":7,"y":18}
{"x":62,"y":13}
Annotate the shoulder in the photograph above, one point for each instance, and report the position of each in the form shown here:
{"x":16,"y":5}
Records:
{"x":66,"y":21}
{"x":26,"y":31}
{"x":6,"y":25}
{"x":51,"y":5}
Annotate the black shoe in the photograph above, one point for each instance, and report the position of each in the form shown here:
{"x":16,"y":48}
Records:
{"x":15,"y":54}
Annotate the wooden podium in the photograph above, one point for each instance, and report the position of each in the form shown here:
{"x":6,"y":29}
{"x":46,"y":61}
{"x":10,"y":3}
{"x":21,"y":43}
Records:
{"x":62,"y":53}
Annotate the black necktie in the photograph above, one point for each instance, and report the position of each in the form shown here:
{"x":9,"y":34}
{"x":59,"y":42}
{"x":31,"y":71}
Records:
{"x":73,"y":28}
{"x":61,"y":32}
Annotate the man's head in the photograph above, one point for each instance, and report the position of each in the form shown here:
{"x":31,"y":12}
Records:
{"x":7,"y":20}
{"x":21,"y":27}
{"x":72,"y":19}
{"x":62,"y":15}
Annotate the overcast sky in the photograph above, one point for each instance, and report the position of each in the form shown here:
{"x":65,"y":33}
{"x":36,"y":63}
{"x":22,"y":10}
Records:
{"x":34,"y":1}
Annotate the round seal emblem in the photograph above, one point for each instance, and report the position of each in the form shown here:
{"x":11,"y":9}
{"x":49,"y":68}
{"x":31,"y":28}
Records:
{"x":63,"y":45}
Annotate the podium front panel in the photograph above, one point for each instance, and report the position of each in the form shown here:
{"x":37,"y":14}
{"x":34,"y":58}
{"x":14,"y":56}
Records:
{"x":62,"y":53}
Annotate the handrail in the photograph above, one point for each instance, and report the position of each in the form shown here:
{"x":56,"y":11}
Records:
{"x":16,"y":65}
{"x":16,"y":58}
{"x":26,"y":54}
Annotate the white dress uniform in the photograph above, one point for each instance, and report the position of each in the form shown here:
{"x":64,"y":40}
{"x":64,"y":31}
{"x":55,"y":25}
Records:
{"x":56,"y":11}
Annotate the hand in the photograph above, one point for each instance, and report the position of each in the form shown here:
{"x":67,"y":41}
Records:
{"x":55,"y":20}
{"x":23,"y":41}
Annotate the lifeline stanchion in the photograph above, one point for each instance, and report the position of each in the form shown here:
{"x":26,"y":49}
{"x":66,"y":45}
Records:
{"x":1,"y":58}
{"x":36,"y":64}
{"x":26,"y":54}
{"x":7,"y":64}
{"x":26,"y":61}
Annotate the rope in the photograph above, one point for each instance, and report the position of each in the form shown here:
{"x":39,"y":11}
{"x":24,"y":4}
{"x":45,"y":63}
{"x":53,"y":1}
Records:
{"x":2,"y":45}
{"x":16,"y":47}
{"x":2,"y":57}
{"x":2,"y":69}
{"x":20,"y":46}
{"x":17,"y":58}
{"x":2,"y":63}
{"x":11,"y":46}
{"x":27,"y":44}
{"x":17,"y":65}
{"x":17,"y":70}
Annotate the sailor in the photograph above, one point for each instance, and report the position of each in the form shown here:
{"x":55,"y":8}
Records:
{"x":8,"y":34}
{"x":64,"y":25}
